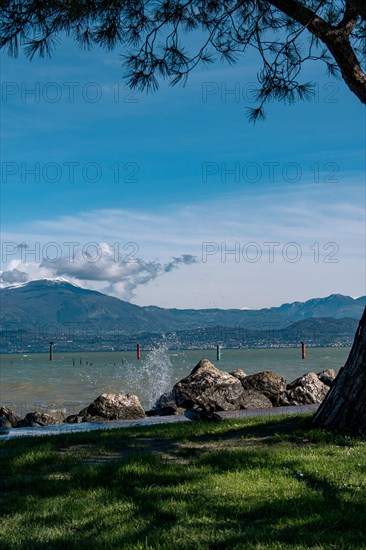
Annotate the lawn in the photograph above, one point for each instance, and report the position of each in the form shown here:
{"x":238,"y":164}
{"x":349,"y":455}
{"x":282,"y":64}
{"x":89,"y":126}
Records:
{"x":243,"y":483}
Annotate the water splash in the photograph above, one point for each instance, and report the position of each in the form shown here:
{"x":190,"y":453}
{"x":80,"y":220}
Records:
{"x":91,"y":380}
{"x":155,"y":373}
{"x":148,"y":378}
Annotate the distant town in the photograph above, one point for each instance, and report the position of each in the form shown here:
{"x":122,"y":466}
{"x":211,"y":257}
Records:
{"x":78,"y":319}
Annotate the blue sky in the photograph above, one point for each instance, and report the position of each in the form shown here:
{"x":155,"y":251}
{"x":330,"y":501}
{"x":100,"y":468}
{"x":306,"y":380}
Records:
{"x":179,"y":174}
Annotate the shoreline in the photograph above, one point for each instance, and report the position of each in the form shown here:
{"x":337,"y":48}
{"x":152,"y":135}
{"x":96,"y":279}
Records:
{"x":70,"y":382}
{"x":62,"y":429}
{"x":172,"y":350}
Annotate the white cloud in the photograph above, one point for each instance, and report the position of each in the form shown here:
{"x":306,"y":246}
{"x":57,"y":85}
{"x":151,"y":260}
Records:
{"x":324,"y":226}
{"x":12,"y":276}
{"x":123,"y":273}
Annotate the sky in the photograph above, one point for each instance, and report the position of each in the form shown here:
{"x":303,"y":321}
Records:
{"x":174,"y":199}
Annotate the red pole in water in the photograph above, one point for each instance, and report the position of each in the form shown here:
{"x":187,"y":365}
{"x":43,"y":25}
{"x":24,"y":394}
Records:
{"x":303,"y":350}
{"x":138,"y":352}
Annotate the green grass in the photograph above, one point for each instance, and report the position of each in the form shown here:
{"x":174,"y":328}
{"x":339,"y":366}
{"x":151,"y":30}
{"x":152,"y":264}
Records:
{"x":248,"y":483}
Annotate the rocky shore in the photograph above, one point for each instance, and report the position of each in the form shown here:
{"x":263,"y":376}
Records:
{"x":202,"y":395}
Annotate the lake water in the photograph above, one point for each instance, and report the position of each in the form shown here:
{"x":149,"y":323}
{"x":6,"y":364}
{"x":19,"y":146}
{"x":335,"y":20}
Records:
{"x":70,"y":381}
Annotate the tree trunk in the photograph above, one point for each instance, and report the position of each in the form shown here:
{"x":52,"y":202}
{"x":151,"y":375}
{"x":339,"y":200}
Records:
{"x":345,"y":57}
{"x":345,"y":405}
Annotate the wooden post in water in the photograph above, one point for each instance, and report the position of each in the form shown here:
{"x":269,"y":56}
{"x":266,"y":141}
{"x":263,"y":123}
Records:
{"x":303,"y":350}
{"x":138,"y":350}
{"x":51,"y":351}
{"x":218,"y":352}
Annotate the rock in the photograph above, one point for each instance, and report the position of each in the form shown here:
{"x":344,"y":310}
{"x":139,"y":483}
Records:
{"x":165,"y":400}
{"x":327,"y":376}
{"x":253,"y":399}
{"x":162,"y":411}
{"x":192,"y":414}
{"x":210,"y":416}
{"x":200,"y":414}
{"x":96,"y":419}
{"x":58,"y":415}
{"x":305,"y":390}
{"x":209,"y":388}
{"x":239,"y":374}
{"x":114,"y":406}
{"x":165,"y":406}
{"x":151,"y":412}
{"x":268,"y":383}
{"x":10,"y":416}
{"x":5,"y":425}
{"x":74,"y":419}
{"x":36,"y":419}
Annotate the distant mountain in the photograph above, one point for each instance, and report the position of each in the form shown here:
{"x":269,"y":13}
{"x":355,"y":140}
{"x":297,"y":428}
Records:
{"x":60,"y":303}
{"x":335,"y":305}
{"x":55,"y":309}
{"x":315,"y":332}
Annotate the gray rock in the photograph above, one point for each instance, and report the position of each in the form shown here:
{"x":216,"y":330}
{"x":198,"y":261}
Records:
{"x":96,"y":419}
{"x":200,"y":414}
{"x":165,"y":400}
{"x":36,"y":419}
{"x":253,"y":399}
{"x":74,"y":419}
{"x":193,"y":414}
{"x":327,"y":377}
{"x":114,"y":406}
{"x":5,"y":425}
{"x":162,"y":411}
{"x":239,"y":374}
{"x":10,"y":416}
{"x":268,"y":383}
{"x":165,"y":406}
{"x":58,"y":415}
{"x":209,"y":388}
{"x":210,"y":416}
{"x":305,"y":390}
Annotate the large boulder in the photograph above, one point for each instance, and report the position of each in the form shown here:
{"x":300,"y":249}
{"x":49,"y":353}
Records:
{"x":239,"y":374}
{"x":253,"y":399}
{"x":36,"y":419}
{"x":209,"y":388}
{"x":268,"y":383}
{"x":5,"y":426}
{"x":10,"y":416}
{"x":306,"y":390}
{"x":113,"y":406}
{"x":327,"y":376}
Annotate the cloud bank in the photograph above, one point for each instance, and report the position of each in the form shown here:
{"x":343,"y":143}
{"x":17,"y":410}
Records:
{"x":121,"y":274}
{"x":126,"y":252}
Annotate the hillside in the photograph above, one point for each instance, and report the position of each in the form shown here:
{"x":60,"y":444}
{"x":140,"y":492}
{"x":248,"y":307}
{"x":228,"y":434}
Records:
{"x":57,"y":309}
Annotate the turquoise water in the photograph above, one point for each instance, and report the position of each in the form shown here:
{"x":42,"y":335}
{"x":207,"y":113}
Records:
{"x":70,"y":381}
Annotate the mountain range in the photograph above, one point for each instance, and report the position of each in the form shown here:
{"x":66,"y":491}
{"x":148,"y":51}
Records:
{"x":57,"y":309}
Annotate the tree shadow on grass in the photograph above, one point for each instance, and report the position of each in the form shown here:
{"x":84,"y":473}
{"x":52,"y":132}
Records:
{"x":143,"y":501}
